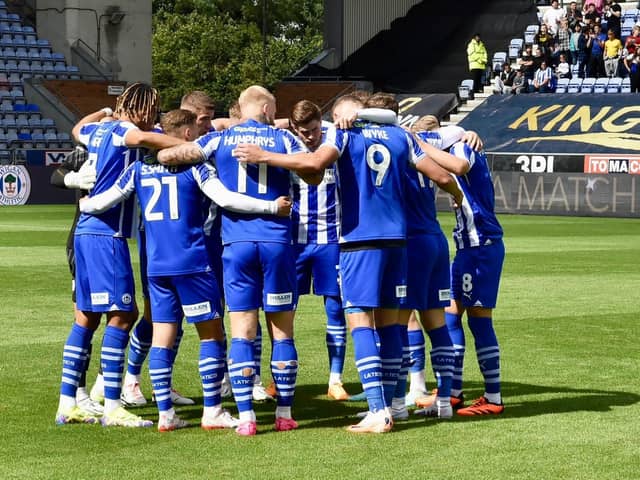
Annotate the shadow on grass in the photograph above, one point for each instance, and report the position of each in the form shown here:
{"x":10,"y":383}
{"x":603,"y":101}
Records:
{"x":313,"y":409}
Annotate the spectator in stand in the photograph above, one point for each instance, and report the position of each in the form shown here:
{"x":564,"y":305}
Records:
{"x":520,"y":84}
{"x":590,"y":15}
{"x":552,"y":16}
{"x":632,"y":65}
{"x":478,"y":58}
{"x":574,"y":15}
{"x":612,"y":53}
{"x":633,"y":40}
{"x":613,"y":15}
{"x":596,"y":62}
{"x":526,"y":63}
{"x":542,"y":80}
{"x":504,"y":81}
{"x":563,"y":41}
{"x":544,"y":40}
{"x":563,"y":70}
{"x":573,"y":42}
{"x":584,"y":50}
{"x":538,"y":58}
{"x":598,"y":6}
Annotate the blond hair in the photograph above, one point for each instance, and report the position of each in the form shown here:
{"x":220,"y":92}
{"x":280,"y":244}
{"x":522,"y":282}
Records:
{"x":174,"y":120}
{"x":426,"y":123}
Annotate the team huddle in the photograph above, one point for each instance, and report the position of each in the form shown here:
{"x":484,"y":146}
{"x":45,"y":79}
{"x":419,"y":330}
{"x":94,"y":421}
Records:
{"x":238,"y":214}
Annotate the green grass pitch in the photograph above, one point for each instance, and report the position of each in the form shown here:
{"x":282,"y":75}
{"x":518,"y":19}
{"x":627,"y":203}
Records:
{"x":568,"y":325}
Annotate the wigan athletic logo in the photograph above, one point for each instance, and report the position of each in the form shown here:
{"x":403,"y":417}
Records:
{"x":15,"y":185}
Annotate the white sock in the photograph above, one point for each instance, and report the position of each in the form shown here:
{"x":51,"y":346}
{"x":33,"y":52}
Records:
{"x":257,"y":380}
{"x":443,"y":401}
{"x":493,"y":397}
{"x":211,"y":411}
{"x":335,"y":378}
{"x":417,"y":381}
{"x":456,"y":393}
{"x":170,"y":413}
{"x":283,"y":412}
{"x":66,"y":403}
{"x":130,"y":379}
{"x":248,"y":416}
{"x":81,"y":393}
{"x":111,"y":405}
{"x":397,"y":403}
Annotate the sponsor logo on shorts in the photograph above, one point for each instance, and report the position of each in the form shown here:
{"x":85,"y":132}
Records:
{"x":279,"y":298}
{"x":15,"y":185}
{"x":101,"y":298}
{"x":401,"y":291}
{"x":196,"y":309}
{"x":444,"y":295}
{"x":126,"y":298}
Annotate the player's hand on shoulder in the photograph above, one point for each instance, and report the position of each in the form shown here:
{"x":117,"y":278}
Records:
{"x":345,"y":122}
{"x":284,"y":206}
{"x":472,"y":139}
{"x":250,"y":153}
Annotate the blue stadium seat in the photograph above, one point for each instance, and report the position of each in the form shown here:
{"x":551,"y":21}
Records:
{"x":14,"y":17}
{"x":32,"y":108}
{"x":19,"y":40}
{"x":515,"y":47}
{"x":465,"y":90}
{"x":530,"y":33}
{"x":499,"y":58}
{"x":587,"y":85}
{"x":8,"y":53}
{"x":574,"y":85}
{"x":42,"y":43}
{"x":21,"y":53}
{"x":614,"y":85}
{"x":562,"y":85}
{"x":58,"y":57}
{"x":626,"y":85}
{"x":601,"y":85}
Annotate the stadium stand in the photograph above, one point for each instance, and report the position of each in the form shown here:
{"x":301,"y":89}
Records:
{"x":25,"y":56}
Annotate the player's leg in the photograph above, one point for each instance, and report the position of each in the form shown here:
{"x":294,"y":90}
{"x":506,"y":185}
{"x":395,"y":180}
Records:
{"x":140,"y":338}
{"x":324,"y":265}
{"x":483,"y":290}
{"x":360,"y":276}
{"x":201,"y":305}
{"x":398,"y":402}
{"x":243,"y":293}
{"x":392,"y":330}
{"x":76,"y":346}
{"x":453,"y":318}
{"x":279,"y":302}
{"x":417,"y":360}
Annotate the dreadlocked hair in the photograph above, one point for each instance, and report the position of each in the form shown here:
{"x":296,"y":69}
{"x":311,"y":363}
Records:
{"x":140,"y":102}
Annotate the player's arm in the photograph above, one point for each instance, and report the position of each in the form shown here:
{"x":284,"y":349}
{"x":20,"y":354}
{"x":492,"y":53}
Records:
{"x":427,"y":166}
{"x":449,"y":162}
{"x":155,"y":141}
{"x":376,"y":115}
{"x":119,"y":191}
{"x":237,"y":202}
{"x":305,"y":164}
{"x":184,"y":154}
{"x":91,"y":118}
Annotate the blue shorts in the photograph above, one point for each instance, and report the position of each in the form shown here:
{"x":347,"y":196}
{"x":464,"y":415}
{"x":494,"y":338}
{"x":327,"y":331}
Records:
{"x":213,"y":244}
{"x":194,"y":296}
{"x":475,"y":275}
{"x":428,"y":277}
{"x":374,"y":277}
{"x":104,"y":278}
{"x":259,"y":274}
{"x":142,"y":253}
{"x":321,"y":262}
